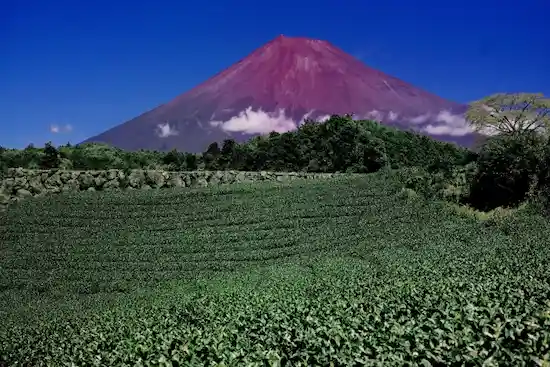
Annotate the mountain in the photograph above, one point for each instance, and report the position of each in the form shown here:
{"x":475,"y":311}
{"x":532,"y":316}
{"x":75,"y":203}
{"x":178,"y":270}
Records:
{"x":275,"y":88}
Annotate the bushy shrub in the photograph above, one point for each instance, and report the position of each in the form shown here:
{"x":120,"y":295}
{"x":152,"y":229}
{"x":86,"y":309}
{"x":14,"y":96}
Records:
{"x":507,"y":168}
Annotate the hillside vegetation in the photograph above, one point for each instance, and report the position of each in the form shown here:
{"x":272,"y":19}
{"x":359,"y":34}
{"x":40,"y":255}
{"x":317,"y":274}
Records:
{"x":340,"y":144}
{"x":349,"y":271}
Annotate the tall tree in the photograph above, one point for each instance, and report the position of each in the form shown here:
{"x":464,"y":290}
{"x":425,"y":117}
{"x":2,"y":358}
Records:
{"x":51,"y":158}
{"x":210,"y":157}
{"x":510,"y":113}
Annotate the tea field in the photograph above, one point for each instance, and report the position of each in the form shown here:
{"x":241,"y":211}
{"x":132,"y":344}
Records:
{"x":346,"y":272}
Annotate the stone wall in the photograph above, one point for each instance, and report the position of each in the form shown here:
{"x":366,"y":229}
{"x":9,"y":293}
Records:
{"x":20,"y":183}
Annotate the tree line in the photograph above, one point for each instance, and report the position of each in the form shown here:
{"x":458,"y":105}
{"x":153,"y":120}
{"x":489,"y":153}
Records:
{"x":340,"y":144}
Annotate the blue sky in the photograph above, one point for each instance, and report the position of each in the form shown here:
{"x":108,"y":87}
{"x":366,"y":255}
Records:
{"x":92,"y":65}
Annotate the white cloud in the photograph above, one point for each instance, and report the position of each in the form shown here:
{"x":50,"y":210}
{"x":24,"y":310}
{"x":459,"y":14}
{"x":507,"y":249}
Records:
{"x":420,"y":119}
{"x":446,"y":130}
{"x":321,"y":118}
{"x":56,"y":129}
{"x":392,"y":116}
{"x":257,"y":122}
{"x":164,"y":130}
{"x":447,"y":123}
{"x":261,"y":122}
{"x":374,"y":114}
{"x":306,"y":116}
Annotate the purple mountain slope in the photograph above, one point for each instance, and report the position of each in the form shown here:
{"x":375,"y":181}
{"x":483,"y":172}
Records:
{"x":275,"y":88}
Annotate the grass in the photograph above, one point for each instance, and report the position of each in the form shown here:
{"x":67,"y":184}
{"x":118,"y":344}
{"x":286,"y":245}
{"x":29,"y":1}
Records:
{"x":343,"y":272}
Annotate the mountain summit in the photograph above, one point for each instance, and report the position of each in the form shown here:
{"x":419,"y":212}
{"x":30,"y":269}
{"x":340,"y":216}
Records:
{"x":275,"y":88}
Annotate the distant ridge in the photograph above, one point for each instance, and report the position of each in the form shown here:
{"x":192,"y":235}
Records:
{"x":275,"y":88}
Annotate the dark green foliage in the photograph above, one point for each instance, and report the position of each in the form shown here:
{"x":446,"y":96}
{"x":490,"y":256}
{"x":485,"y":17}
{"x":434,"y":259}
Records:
{"x":96,"y":157}
{"x":3,"y":164}
{"x":342,"y":272}
{"x":190,"y":162}
{"x":507,"y":168}
{"x":211,"y":157}
{"x":229,"y":155}
{"x":173,"y":159}
{"x":542,"y":190}
{"x":51,"y":158}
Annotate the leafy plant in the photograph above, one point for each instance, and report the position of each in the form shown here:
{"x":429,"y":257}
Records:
{"x":347,"y":271}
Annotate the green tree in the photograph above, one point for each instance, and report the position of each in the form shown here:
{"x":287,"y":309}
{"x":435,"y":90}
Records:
{"x":96,"y":156}
{"x":51,"y":157}
{"x":507,"y":168}
{"x":173,"y":159}
{"x":511,"y":113}
{"x":210,"y":157}
{"x":191,"y":163}
{"x":228,"y":154}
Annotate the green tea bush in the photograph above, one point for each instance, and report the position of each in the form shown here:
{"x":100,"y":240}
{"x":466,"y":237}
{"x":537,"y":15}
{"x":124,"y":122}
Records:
{"x":348,"y":271}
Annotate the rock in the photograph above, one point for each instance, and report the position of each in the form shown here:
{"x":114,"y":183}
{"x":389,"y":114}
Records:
{"x":65,"y":176}
{"x":53,"y":181}
{"x":22,"y":193}
{"x":240,"y":177}
{"x":214,"y":181}
{"x":85,"y":180}
{"x":155,"y":179}
{"x":112,"y":174}
{"x":35,"y":185}
{"x":282,"y":177}
{"x":55,"y":190}
{"x":99,"y":181}
{"x":187,"y":180}
{"x":72,"y":185}
{"x":19,"y":183}
{"x":4,"y":198}
{"x":176,"y":181}
{"x":19,"y":172}
{"x":112,"y":184}
{"x":9,"y":184}
{"x":227,"y":177}
{"x":136,"y":178}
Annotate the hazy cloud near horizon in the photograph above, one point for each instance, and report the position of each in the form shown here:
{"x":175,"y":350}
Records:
{"x":448,"y":124}
{"x":442,"y":123}
{"x":59,"y":129}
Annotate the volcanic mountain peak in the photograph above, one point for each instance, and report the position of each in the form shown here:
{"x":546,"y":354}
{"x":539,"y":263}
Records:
{"x":274,"y":89}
